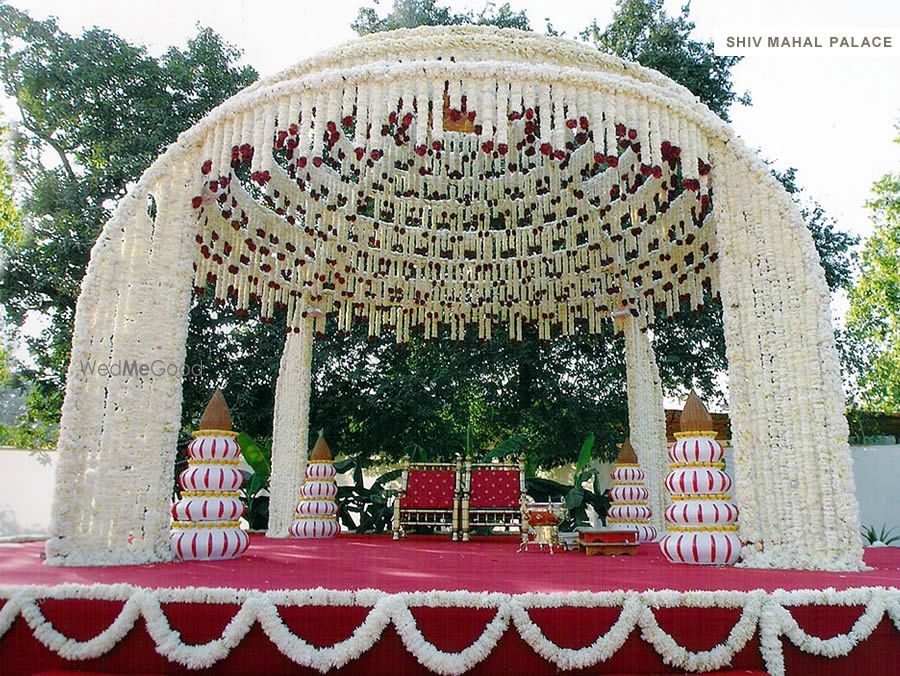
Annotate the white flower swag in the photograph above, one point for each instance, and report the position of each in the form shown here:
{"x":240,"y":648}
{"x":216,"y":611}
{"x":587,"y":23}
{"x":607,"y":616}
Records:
{"x":763,"y":612}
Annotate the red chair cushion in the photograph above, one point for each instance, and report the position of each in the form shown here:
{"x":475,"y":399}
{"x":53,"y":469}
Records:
{"x":429,"y":489}
{"x":494,"y":488}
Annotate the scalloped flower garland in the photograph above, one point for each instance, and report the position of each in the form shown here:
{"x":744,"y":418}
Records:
{"x":765,"y":612}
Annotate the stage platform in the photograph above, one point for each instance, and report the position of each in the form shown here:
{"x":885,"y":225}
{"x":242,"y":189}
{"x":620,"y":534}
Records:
{"x":366,"y":604}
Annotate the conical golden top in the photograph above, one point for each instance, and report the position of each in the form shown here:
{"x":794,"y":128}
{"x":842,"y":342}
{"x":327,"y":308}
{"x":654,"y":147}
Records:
{"x":695,"y":417}
{"x":216,"y":416}
{"x":320,"y":451}
{"x":627,"y":456}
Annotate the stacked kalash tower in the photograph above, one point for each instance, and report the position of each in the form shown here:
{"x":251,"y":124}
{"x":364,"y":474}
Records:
{"x":702,"y":520}
{"x":628,"y":497}
{"x":316,"y":515}
{"x":207,"y":517}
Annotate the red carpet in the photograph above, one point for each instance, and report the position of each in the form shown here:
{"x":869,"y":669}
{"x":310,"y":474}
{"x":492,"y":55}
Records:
{"x":423,"y":564}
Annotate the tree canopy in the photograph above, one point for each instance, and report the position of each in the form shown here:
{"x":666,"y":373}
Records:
{"x":874,"y":317}
{"x":97,"y":110}
{"x":412,"y":13}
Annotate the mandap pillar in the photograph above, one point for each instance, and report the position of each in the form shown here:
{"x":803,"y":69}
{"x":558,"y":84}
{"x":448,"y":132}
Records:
{"x":122,"y":411}
{"x":290,"y":428}
{"x":794,"y":472}
{"x":646,"y":416}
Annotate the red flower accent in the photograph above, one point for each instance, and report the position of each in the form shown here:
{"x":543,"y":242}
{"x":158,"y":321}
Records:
{"x":487,"y":146}
{"x":598,"y":158}
{"x":407,"y":119}
{"x":392,"y":118}
{"x":197,"y":202}
{"x":560,"y":154}
{"x":612,"y":161}
{"x":571,"y":124}
{"x":546,"y":149}
{"x":529,"y":113}
{"x":620,"y":129}
{"x":657,"y":172}
{"x":632,"y":134}
{"x":471,"y":115}
{"x":421,"y":151}
{"x":207,"y":167}
{"x":436,"y":146}
{"x":301,"y":162}
{"x":502,"y":148}
{"x":360,"y":153}
{"x":583,"y":121}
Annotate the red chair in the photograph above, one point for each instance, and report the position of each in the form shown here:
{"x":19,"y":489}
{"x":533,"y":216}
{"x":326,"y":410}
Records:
{"x":493,"y":495}
{"x":429,"y":496}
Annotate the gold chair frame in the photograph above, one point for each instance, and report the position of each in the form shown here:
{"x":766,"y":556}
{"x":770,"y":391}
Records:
{"x":428,"y":516}
{"x":507,"y":517}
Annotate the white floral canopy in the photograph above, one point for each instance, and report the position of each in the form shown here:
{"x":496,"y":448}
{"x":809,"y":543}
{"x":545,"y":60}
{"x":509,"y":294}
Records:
{"x":474,"y":179}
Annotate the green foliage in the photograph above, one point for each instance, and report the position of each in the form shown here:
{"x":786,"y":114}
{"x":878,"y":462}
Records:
{"x":412,"y":13}
{"x":576,"y":497}
{"x":378,"y":398}
{"x":873,"y":322}
{"x":885,"y":536}
{"x":642,"y":31}
{"x":259,"y":457}
{"x":95,"y":111}
{"x":371,"y":507}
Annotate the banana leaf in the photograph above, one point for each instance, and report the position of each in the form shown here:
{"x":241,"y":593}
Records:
{"x":256,"y":455}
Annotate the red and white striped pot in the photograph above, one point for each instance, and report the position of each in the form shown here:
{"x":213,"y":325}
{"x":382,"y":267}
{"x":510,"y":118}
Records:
{"x":697,"y":481}
{"x":317,"y":508}
{"x":214,"y":448}
{"x":629,"y":512}
{"x":319,"y":489}
{"x":208,"y":544}
{"x":628,"y":494}
{"x":630,"y":474}
{"x":208,"y":509}
{"x":701,"y":512}
{"x":696,"y":449}
{"x":315,"y":528}
{"x":705,"y":548}
{"x":211,"y":478}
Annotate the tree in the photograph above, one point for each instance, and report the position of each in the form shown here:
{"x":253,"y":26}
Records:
{"x":874,"y":317}
{"x":95,"y":111}
{"x":642,"y":31}
{"x":412,"y":13}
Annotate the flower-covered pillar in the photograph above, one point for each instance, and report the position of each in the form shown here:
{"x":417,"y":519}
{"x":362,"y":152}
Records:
{"x":646,"y":415}
{"x":794,"y":473}
{"x":122,"y":411}
{"x":290,"y":428}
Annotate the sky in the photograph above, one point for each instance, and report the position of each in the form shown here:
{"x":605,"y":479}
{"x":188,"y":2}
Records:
{"x":832,"y":114}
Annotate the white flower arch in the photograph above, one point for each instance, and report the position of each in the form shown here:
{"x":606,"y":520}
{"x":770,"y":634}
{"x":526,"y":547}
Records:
{"x":459,"y":177}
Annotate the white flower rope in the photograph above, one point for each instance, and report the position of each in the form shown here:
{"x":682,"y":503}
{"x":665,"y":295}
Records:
{"x":526,"y":180}
{"x":767,"y":613}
